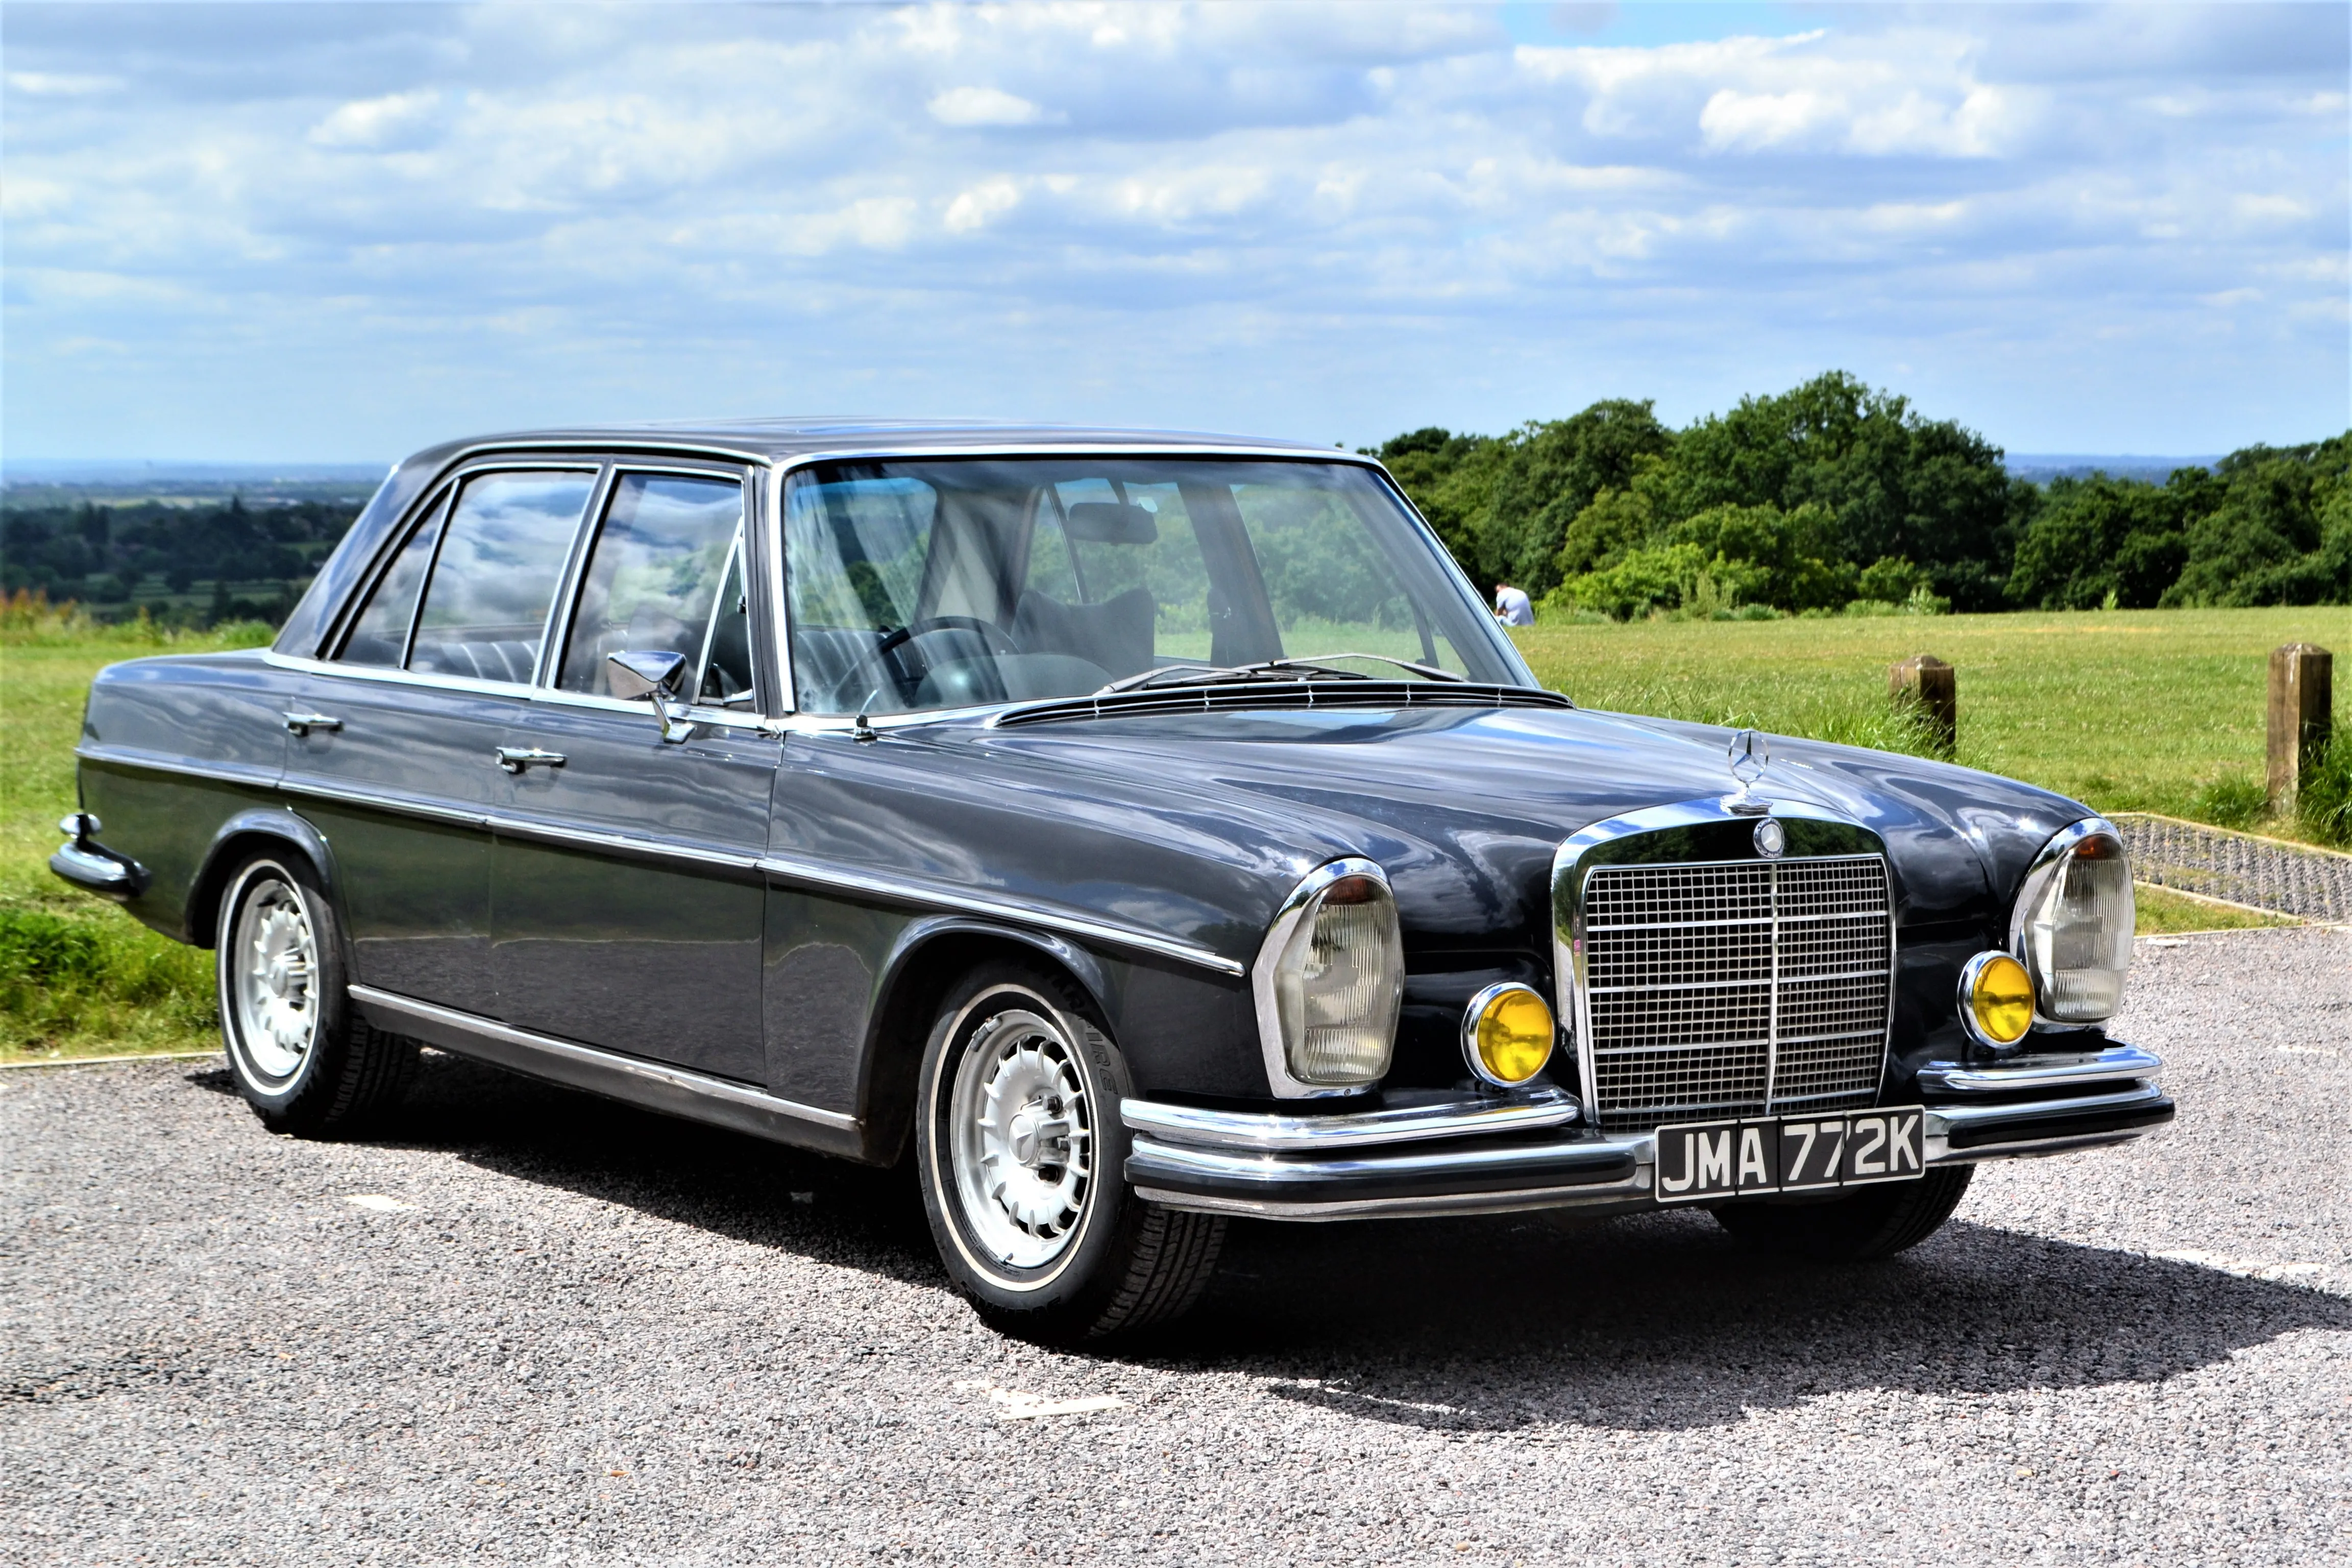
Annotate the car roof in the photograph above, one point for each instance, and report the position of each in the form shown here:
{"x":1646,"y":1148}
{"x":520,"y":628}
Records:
{"x":751,"y":439}
{"x":796,"y":436}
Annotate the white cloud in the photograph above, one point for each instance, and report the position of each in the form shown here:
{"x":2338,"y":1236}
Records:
{"x":976,"y":207}
{"x":51,"y":84}
{"x":395,"y":120}
{"x":1394,"y":215}
{"x":986,"y":106}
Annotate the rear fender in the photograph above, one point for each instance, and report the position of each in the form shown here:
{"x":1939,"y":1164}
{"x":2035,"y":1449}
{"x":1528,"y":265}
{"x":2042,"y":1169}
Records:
{"x":270,"y":828}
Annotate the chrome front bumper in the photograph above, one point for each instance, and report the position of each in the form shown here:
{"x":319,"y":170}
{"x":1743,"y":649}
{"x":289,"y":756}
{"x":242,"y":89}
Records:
{"x":1527,"y":1151}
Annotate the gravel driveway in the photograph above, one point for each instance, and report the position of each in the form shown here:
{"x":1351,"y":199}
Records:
{"x":525,"y":1326}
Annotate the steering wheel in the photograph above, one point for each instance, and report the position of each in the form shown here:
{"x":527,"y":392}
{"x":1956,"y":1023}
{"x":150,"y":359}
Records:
{"x":994,"y":637}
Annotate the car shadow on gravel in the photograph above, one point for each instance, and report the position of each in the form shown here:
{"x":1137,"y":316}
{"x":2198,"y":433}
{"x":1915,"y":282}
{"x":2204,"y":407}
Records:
{"x":1662,"y":1321}
{"x":1478,"y":1325}
{"x":729,"y":1184}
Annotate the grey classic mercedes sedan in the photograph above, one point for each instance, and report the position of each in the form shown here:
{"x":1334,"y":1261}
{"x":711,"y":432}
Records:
{"x":1131,"y":829}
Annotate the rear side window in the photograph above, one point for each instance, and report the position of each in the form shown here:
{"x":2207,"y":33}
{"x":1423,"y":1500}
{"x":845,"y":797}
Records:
{"x":380,"y":635}
{"x":502,"y":552}
{"x":654,"y":582}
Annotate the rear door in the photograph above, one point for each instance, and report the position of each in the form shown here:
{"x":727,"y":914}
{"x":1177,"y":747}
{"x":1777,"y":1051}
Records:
{"x":627,"y":903}
{"x":394,"y":755}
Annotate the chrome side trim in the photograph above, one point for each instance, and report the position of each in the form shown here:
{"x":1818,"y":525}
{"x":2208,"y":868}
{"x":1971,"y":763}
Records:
{"x":400,"y":805}
{"x":1272,"y":1131}
{"x":2040,"y":1071}
{"x":1943,"y":1120}
{"x":1261,"y":973}
{"x":1019,"y":912}
{"x":626,"y":844}
{"x":655,"y":1085}
{"x":153,"y":762}
{"x":726,"y":718}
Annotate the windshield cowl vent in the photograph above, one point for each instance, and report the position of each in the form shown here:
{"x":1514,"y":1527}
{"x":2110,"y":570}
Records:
{"x":1260,"y":695}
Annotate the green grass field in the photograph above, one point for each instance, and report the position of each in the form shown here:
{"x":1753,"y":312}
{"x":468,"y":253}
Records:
{"x":2125,"y":710}
{"x":2158,"y":710}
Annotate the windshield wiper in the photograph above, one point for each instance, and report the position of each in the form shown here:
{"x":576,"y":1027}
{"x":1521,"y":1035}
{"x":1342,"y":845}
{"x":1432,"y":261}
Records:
{"x":1267,"y":669}
{"x":1322,"y":661}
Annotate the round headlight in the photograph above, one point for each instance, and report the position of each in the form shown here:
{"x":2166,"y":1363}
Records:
{"x":1996,"y":1000}
{"x":2073,"y":924}
{"x":1506,"y":1034}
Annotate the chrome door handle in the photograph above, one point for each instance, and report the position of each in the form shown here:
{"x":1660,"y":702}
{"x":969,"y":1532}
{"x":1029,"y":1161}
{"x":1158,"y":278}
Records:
{"x":303,"y":723}
{"x":515,"y":758}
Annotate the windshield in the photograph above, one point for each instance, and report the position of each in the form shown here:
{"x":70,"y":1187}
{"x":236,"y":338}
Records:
{"x":950,"y":582}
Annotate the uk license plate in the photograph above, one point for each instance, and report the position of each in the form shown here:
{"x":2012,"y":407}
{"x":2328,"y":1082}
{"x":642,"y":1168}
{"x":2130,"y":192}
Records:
{"x":1755,"y":1156}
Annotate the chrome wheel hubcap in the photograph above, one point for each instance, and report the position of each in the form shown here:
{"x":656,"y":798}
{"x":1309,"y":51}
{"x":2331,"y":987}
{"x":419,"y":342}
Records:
{"x":1022,"y":1139}
{"x":276,"y":959}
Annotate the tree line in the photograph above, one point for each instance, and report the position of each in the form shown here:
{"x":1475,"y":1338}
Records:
{"x":1831,"y":497}
{"x":1838,"y":497}
{"x":115,"y":559}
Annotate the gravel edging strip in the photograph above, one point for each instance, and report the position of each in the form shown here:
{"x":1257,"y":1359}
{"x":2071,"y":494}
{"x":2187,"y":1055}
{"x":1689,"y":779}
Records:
{"x":2244,"y":868}
{"x":100,"y":1061}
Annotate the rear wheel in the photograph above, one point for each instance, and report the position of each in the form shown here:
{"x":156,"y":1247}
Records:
{"x":1877,"y":1222}
{"x":302,"y":1059}
{"x":1021,"y":1150}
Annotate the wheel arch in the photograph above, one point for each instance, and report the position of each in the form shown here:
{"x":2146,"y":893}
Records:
{"x":930,"y":957}
{"x":242,"y":835}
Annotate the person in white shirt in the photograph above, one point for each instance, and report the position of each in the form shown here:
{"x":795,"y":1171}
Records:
{"x":1511,"y":607}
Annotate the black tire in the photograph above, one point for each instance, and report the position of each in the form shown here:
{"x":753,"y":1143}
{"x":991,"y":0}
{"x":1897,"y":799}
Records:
{"x":1118,"y":1265}
{"x":1878,"y":1222}
{"x":345,"y":1072}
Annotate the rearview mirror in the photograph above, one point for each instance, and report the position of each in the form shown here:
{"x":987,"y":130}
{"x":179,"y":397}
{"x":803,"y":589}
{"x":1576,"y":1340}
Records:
{"x":655,"y":677}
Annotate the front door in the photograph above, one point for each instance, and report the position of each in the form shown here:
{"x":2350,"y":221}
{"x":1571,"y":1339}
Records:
{"x":627,"y":906}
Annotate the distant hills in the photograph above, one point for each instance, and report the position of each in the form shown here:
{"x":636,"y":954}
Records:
{"x":2043,"y":466}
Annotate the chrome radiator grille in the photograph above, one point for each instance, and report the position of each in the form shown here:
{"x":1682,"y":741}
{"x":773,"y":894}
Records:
{"x":1725,"y":989}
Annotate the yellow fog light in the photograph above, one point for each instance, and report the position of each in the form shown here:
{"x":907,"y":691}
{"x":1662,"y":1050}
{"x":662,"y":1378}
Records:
{"x":1996,"y":1000}
{"x":1506,"y":1034}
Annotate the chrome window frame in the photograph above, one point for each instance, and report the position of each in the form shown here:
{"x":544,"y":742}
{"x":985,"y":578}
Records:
{"x":780,"y":469}
{"x":1572,"y":862}
{"x":575,"y":577}
{"x":1278,"y":1076}
{"x":596,"y":459}
{"x":2048,"y":861}
{"x":447,"y":488}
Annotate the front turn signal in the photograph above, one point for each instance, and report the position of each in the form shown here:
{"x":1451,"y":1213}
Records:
{"x":1506,"y":1034}
{"x":1996,"y":1000}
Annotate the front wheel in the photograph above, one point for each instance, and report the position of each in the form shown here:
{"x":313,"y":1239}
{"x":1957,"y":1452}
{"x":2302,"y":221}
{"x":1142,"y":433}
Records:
{"x":1021,"y":1152}
{"x":303,"y":1059}
{"x":1877,"y":1222}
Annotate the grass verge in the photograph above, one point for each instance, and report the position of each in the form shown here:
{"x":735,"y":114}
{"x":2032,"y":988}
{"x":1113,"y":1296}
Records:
{"x":78,"y":976}
{"x":2164,"y":912}
{"x":2125,"y":710}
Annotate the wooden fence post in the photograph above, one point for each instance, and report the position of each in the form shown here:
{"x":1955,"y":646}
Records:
{"x":1927,"y":683}
{"x":2302,"y":695}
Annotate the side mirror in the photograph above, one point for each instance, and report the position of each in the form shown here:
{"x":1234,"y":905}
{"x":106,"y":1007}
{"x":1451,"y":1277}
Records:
{"x":657,"y":677}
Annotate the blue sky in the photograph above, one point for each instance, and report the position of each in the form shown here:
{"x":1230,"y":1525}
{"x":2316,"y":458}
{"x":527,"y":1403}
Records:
{"x":332,"y":232}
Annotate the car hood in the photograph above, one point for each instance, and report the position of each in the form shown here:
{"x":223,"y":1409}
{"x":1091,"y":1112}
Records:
{"x":1463,"y":808}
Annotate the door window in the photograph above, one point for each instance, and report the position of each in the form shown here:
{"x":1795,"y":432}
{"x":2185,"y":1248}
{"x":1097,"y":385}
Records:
{"x":485,"y":610}
{"x":380,"y":635}
{"x":663,"y":578}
